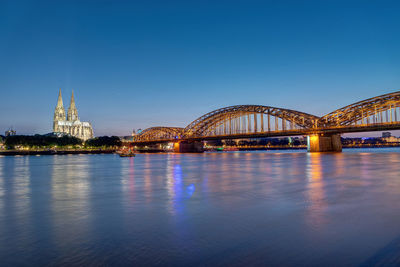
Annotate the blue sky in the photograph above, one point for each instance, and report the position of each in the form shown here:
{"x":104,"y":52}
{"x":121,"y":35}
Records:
{"x":136,"y":64}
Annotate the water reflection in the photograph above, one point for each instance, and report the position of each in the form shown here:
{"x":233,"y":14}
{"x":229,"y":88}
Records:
{"x":2,"y":187}
{"x":15,"y":203}
{"x":148,"y":177}
{"x":392,"y":186}
{"x":131,"y":179}
{"x":189,"y":209}
{"x":22,"y":178}
{"x":128,"y":177}
{"x":70,"y":191}
{"x":174,"y":184}
{"x":21,"y":194}
{"x":315,"y":190}
{"x":339,"y":161}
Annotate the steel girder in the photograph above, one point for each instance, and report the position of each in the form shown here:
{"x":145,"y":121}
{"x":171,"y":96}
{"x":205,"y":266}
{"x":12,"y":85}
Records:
{"x":210,"y":120}
{"x":159,"y":133}
{"x":350,"y":114}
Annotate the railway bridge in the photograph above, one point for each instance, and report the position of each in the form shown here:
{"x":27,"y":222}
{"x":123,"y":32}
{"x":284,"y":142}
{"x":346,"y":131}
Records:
{"x":254,"y":121}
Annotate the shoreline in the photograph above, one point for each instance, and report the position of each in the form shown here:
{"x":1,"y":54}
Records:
{"x":303,"y":148}
{"x":111,"y":151}
{"x":54,"y":152}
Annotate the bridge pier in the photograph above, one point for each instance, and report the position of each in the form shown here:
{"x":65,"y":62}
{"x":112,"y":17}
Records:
{"x":188,"y":147}
{"x":324,"y":143}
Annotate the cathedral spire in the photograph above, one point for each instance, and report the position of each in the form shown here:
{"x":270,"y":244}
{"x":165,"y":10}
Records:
{"x":59,"y":101}
{"x":72,"y":111}
{"x":59,"y":113}
{"x":72,"y":104}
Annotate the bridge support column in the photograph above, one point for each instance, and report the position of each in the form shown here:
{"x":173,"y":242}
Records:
{"x":324,"y":143}
{"x":188,"y":147}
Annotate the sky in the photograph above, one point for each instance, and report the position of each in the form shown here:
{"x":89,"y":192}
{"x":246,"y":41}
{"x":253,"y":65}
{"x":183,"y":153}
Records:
{"x":137,"y":64}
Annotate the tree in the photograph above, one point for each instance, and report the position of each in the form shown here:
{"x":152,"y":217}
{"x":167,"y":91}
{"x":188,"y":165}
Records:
{"x":104,"y":141}
{"x":41,"y":141}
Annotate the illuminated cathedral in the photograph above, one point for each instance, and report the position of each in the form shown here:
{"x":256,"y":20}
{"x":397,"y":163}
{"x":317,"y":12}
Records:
{"x":70,"y":124}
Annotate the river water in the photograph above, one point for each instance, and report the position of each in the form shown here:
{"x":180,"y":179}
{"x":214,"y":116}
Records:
{"x":238,"y":208}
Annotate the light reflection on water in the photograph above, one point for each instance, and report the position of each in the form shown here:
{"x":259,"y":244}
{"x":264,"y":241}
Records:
{"x":240,"y":208}
{"x":70,"y":206}
{"x":316,"y":194}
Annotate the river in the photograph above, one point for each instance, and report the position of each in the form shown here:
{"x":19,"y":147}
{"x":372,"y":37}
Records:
{"x":226,"y":209}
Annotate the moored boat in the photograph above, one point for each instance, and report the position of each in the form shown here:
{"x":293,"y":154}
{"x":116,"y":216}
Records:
{"x":128,"y":153}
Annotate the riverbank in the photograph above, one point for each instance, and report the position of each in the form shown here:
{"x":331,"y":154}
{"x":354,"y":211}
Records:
{"x":54,"y":152}
{"x":371,"y":145}
{"x":111,"y":151}
{"x":299,"y":147}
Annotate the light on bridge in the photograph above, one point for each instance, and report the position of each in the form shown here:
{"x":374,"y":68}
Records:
{"x":314,"y":138}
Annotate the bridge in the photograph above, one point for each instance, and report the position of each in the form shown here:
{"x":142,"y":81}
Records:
{"x":254,"y":121}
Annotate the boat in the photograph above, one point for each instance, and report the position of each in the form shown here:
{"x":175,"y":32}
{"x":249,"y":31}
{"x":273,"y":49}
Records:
{"x":128,"y":153}
{"x":231,"y":149}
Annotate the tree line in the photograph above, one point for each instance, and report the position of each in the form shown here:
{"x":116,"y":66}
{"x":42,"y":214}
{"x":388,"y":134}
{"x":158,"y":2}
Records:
{"x":46,"y":141}
{"x":106,"y":141}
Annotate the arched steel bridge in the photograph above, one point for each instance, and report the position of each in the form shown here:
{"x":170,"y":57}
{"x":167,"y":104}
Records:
{"x":250,"y":121}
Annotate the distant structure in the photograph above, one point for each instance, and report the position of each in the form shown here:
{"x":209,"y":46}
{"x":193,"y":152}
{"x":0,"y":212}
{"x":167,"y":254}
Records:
{"x":10,"y":132}
{"x":71,"y":124}
{"x":127,"y":138}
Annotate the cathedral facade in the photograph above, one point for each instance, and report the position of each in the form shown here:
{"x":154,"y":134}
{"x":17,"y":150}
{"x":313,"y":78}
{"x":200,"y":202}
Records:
{"x":70,"y":124}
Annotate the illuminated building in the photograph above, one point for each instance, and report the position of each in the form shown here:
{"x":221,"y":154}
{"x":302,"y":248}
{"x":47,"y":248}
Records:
{"x":71,"y":124}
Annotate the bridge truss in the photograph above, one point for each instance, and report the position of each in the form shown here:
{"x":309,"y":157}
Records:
{"x":382,"y":109}
{"x":246,"y":121}
{"x":159,"y":133}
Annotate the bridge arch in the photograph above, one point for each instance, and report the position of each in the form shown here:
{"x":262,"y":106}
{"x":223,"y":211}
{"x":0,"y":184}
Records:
{"x":159,"y":133}
{"x":243,"y":119}
{"x":376,"y":110}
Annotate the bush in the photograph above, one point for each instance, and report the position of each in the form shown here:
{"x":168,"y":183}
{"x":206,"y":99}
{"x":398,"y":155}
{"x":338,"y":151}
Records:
{"x":41,"y":141}
{"x":104,"y":141}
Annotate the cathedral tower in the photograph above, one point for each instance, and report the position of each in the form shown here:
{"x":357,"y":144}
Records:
{"x":71,"y":125}
{"x":59,"y":112}
{"x":72,"y":111}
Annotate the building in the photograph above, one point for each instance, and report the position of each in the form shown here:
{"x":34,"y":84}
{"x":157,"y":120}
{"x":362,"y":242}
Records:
{"x":70,"y":124}
{"x":126,"y":138}
{"x":10,"y":132}
{"x":391,"y":139}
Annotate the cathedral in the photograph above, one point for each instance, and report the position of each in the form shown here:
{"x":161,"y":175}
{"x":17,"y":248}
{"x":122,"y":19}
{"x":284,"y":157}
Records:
{"x":71,"y":124}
